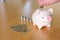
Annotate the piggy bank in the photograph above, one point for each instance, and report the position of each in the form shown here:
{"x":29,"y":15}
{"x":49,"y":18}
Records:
{"x":42,"y":17}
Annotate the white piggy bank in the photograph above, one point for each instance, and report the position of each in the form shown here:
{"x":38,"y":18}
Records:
{"x":42,"y":17}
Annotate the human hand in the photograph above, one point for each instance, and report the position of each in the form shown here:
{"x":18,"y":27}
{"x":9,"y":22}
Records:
{"x":47,"y":2}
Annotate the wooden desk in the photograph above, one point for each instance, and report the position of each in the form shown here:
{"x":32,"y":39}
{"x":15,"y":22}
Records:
{"x":10,"y":16}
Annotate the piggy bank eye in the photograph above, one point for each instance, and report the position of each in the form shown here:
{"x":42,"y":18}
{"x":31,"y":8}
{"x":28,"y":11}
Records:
{"x":42,"y":17}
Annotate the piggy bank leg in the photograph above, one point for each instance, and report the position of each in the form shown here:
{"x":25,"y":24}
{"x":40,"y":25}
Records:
{"x":48,"y":25}
{"x":40,"y":27}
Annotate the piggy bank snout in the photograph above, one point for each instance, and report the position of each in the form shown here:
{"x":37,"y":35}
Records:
{"x":49,"y":18}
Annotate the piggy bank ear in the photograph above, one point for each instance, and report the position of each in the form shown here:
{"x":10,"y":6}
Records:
{"x":50,"y":10}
